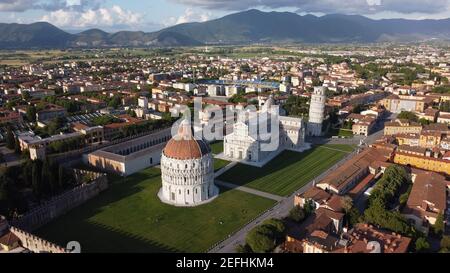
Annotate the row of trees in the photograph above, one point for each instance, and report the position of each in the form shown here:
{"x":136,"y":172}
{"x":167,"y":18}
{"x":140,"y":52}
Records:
{"x":411,"y":116}
{"x":384,"y":193}
{"x":65,"y":145}
{"x":237,"y":98}
{"x":263,"y":238}
{"x":387,"y":191}
{"x":147,"y":126}
{"x":297,"y":106}
{"x":44,"y":178}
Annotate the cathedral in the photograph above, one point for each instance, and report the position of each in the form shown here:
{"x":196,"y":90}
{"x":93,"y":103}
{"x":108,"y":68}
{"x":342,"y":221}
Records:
{"x":242,"y":146}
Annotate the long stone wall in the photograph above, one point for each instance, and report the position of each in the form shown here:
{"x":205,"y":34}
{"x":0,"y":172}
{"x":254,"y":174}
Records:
{"x":63,"y":203}
{"x":36,"y":244}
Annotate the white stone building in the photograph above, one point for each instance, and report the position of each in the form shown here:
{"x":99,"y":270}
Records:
{"x":243,"y":146}
{"x":316,"y":111}
{"x":187,"y":170}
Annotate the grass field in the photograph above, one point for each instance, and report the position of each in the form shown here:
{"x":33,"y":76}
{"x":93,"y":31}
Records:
{"x":129,"y":217}
{"x":217,"y":147}
{"x":287,"y":172}
{"x":342,"y":147}
{"x":345,"y":133}
{"x":219,"y":164}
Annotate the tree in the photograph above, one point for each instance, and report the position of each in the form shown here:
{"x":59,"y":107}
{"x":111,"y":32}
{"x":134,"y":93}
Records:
{"x":243,"y":248}
{"x":347,"y":203}
{"x":353,"y":217}
{"x":424,"y":121}
{"x":407,"y":115}
{"x":439,"y":226}
{"x":115,"y":102}
{"x":445,"y":243}
{"x":61,"y":177}
{"x":26,"y":95}
{"x":358,"y":109}
{"x":31,"y":113}
{"x":309,"y":207}
{"x":297,"y":214}
{"x":296,"y":106}
{"x":277,"y":227}
{"x":36,"y":179}
{"x":17,"y":148}
{"x":261,"y":239}
{"x":237,"y":98}
{"x":4,"y":196}
{"x":422,"y":244}
{"x":55,"y":125}
{"x":10,"y":139}
{"x":46,"y":178}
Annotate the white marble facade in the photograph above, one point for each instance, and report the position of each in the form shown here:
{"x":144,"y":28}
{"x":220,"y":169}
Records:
{"x":189,"y":181}
{"x":241,"y":146}
{"x":316,"y":111}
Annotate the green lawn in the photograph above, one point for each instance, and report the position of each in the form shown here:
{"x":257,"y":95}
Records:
{"x":345,"y":133}
{"x":343,"y":147}
{"x":129,"y":217}
{"x":217,"y":147}
{"x":219,"y":164}
{"x":288,"y":172}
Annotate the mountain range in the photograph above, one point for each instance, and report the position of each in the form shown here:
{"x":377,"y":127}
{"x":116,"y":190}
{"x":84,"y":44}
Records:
{"x":252,"y":26}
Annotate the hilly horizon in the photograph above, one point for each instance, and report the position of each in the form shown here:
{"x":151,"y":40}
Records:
{"x":251,"y":26}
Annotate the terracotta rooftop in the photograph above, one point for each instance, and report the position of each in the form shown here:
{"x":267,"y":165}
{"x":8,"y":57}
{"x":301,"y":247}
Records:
{"x":9,"y":239}
{"x":361,"y":234}
{"x":353,"y":168}
{"x":428,"y":195}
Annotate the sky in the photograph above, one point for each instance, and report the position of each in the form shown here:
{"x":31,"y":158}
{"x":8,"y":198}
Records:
{"x":151,"y":15}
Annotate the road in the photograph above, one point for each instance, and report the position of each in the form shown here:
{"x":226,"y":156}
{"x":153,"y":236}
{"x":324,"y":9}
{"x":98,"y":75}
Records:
{"x":282,"y":208}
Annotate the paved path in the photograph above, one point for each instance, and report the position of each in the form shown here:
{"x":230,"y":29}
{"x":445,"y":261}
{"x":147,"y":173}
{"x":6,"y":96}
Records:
{"x":249,"y":190}
{"x":224,"y":169}
{"x":334,"y":149}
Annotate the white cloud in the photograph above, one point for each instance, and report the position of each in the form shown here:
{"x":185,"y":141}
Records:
{"x":101,"y":17}
{"x":15,"y":5}
{"x":189,"y":15}
{"x":48,"y":5}
{"x":327,"y":6}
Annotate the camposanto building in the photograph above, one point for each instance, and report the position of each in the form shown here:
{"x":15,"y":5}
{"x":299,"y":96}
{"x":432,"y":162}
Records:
{"x":187,"y":170}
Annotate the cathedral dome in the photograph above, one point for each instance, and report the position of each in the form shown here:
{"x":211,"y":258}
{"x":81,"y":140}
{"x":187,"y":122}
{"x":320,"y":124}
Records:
{"x":184,"y":146}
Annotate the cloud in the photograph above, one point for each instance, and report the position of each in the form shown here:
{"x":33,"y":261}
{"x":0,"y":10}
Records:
{"x":113,"y":17}
{"x":327,"y":6}
{"x":48,"y":5}
{"x":189,"y":15}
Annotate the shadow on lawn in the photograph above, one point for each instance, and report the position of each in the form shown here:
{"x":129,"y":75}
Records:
{"x":96,"y":237}
{"x":242,"y":174}
{"x":99,"y":238}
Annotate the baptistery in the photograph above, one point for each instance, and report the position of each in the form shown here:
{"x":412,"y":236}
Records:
{"x":187,"y":170}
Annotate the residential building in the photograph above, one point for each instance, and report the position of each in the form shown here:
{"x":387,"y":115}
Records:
{"x":401,"y":126}
{"x":428,"y":199}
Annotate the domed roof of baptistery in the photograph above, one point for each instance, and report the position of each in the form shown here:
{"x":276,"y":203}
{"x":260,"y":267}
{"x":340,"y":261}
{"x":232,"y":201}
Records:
{"x":184,"y":146}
